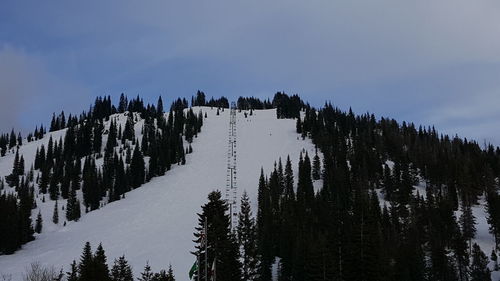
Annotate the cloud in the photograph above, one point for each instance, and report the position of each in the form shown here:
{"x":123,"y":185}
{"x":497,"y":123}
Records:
{"x":398,"y":59}
{"x":28,"y":91}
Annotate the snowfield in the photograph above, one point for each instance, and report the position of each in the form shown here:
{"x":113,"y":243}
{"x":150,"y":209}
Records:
{"x":155,"y":222}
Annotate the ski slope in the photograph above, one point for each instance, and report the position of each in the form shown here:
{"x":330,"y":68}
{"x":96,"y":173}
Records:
{"x":155,"y":222}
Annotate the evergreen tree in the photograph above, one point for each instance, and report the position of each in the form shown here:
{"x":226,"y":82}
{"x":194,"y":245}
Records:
{"x":170,"y":274}
{"x":55,"y":214}
{"x":39,"y":222}
{"x":468,"y":225}
{"x":137,"y":168}
{"x":121,"y":270}
{"x":73,"y":211}
{"x":128,"y":132}
{"x":159,"y":107}
{"x":54,"y":188}
{"x":479,"y":268}
{"x":316,"y":170}
{"x":494,"y":259}
{"x":305,"y":190}
{"x":247,"y":240}
{"x":221,"y":243}
{"x":13,"y":178}
{"x":264,"y":229}
{"x":147,"y":274}
{"x":85,"y":267}
{"x":100,"y":267}
{"x":73,"y":275}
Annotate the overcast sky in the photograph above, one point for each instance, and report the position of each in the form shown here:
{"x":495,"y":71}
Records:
{"x":429,"y":62}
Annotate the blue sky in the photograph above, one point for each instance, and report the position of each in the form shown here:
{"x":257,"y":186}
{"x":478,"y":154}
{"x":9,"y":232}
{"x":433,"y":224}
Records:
{"x":430,"y":62}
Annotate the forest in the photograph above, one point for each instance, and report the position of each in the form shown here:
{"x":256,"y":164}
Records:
{"x":395,"y":199}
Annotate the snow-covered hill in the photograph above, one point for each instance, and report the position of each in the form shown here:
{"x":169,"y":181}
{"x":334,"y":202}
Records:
{"x":155,"y":222}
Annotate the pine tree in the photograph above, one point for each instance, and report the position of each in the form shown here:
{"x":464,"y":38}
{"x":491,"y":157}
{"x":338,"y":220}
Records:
{"x":85,"y":267}
{"x":12,"y":139}
{"x":128,"y":132}
{"x":137,"y":168}
{"x":247,"y":240}
{"x":55,"y":215}
{"x":159,"y":106}
{"x":121,"y":270}
{"x":54,"y":188}
{"x":99,"y":264}
{"x":170,"y":274}
{"x":494,"y":259}
{"x":73,"y":211}
{"x":316,"y":170}
{"x":13,"y":178}
{"x":264,"y":229}
{"x":467,"y":224}
{"x":39,"y":222}
{"x":73,"y":275}
{"x":305,"y":190}
{"x":147,"y":274}
{"x":479,"y":268}
{"x":221,"y":243}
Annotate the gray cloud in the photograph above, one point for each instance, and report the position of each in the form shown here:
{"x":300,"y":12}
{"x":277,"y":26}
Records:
{"x":29,"y":92}
{"x":400,"y":59}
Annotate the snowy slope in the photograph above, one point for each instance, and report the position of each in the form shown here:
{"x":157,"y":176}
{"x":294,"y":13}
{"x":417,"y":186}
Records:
{"x":155,"y":222}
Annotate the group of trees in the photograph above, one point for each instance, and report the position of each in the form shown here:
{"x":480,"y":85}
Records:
{"x":9,"y":141}
{"x":93,"y":266}
{"x":15,"y":220}
{"x":66,"y":166}
{"x":343,"y":232}
{"x":248,"y":103}
{"x":200,"y":100}
{"x":220,"y":252}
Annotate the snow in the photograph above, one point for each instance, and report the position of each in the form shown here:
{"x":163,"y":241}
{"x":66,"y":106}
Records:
{"x":155,"y":222}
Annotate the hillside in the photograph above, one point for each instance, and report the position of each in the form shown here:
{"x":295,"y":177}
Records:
{"x":362,"y":198}
{"x":155,"y":222}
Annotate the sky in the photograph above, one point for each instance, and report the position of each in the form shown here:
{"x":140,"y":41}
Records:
{"x":428,"y":62}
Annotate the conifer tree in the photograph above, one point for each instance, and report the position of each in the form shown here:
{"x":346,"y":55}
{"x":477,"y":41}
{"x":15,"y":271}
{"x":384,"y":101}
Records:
{"x":137,"y":168}
{"x":479,"y":268}
{"x":12,"y":139}
{"x":44,"y":179}
{"x":55,"y":214}
{"x":73,"y":211}
{"x":100,"y":266}
{"x":85,"y":267}
{"x":170,"y":274}
{"x":221,"y":243}
{"x":247,"y":240}
{"x":147,"y":274}
{"x":159,"y":107}
{"x":264,"y":228}
{"x":121,"y":270}
{"x":73,"y":274}
{"x":316,"y":169}
{"x":39,"y":222}
{"x":467,"y":224}
{"x":54,"y":188}
{"x":128,"y":132}
{"x":305,"y":190}
{"x":17,"y":170}
{"x":494,"y":259}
